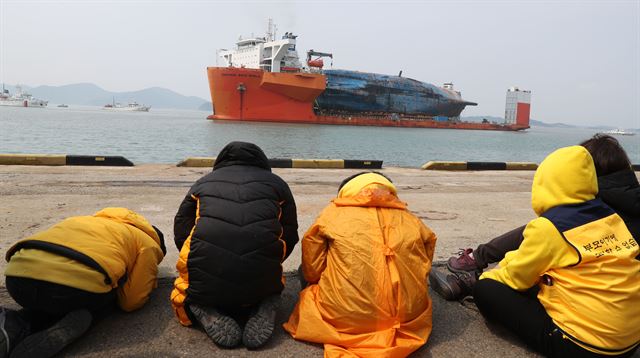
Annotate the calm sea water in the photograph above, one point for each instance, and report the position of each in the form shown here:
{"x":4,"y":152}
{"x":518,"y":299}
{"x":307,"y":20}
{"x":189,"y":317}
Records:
{"x":168,"y":136}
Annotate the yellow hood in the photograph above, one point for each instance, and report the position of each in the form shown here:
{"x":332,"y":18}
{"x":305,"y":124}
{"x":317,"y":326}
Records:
{"x":355,"y":185}
{"x":369,"y":190}
{"x":566,"y":176}
{"x":132,"y":218}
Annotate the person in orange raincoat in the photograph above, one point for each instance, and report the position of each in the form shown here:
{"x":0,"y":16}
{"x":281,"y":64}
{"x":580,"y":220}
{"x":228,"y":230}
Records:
{"x":366,"y":259}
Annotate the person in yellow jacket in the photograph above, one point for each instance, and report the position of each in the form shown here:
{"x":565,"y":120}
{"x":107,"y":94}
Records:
{"x":76,"y":268}
{"x":366,"y":259}
{"x":572,"y":288}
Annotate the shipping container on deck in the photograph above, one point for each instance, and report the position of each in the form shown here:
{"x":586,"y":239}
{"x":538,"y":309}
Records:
{"x":518,"y":107}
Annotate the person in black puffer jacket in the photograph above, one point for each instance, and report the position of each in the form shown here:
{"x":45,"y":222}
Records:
{"x":621,"y":191}
{"x":618,"y":187}
{"x":234,"y":229}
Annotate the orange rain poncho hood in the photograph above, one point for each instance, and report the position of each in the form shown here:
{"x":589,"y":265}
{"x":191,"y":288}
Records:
{"x":367,"y":259}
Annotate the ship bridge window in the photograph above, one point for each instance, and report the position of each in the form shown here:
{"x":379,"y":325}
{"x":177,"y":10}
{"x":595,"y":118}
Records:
{"x":292,"y":48}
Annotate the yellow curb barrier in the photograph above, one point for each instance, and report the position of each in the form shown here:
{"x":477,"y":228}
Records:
{"x":521,"y":166}
{"x":435,"y":165}
{"x":198,"y":162}
{"x":318,"y":163}
{"x":33,"y":159}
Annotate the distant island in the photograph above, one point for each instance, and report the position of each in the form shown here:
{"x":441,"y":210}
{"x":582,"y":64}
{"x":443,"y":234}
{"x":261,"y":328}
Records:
{"x":89,"y":94}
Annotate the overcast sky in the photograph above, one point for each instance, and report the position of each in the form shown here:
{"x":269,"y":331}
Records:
{"x":580,"y":59}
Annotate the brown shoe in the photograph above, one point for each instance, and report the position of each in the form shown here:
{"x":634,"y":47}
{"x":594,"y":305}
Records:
{"x":452,"y":287}
{"x":464,"y":262}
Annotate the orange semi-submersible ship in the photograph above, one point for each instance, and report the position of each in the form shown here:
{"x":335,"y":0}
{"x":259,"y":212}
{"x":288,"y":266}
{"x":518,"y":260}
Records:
{"x":265,"y":82}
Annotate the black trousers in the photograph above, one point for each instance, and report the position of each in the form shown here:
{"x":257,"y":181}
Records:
{"x":522,"y":314}
{"x":44,"y":303}
{"x":494,"y":250}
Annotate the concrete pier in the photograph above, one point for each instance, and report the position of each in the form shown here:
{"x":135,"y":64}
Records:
{"x":464,"y":209}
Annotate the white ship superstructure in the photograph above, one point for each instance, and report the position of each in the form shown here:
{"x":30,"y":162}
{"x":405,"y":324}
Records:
{"x":20,"y":99}
{"x":265,"y":53}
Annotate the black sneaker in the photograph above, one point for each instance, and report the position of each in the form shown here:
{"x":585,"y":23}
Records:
{"x":52,"y":340}
{"x":13,"y":329}
{"x":222,"y":329}
{"x":261,"y":323}
{"x":452,"y":287}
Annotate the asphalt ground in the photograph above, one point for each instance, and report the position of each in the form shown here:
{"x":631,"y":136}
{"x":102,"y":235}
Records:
{"x":464,"y":209}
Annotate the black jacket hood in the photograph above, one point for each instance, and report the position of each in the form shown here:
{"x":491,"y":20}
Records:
{"x":621,"y":191}
{"x":241,"y":153}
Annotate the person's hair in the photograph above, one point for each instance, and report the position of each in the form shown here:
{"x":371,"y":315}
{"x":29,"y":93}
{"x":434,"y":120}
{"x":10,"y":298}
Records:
{"x":607,"y":153}
{"x":344,"y":182}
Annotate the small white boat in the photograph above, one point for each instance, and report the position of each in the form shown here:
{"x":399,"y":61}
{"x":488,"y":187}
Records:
{"x":130,"y":107}
{"x":619,"y":132}
{"x":62,"y":105}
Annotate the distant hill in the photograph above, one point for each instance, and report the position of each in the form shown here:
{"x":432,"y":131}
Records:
{"x":89,"y":94}
{"x":207,"y":107}
{"x":496,"y":119}
{"x":535,"y":123}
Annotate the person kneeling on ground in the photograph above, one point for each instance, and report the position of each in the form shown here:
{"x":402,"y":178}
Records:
{"x":618,"y":187}
{"x":572,"y":287}
{"x":366,"y":259}
{"x":66,"y":275}
{"x":234,"y":229}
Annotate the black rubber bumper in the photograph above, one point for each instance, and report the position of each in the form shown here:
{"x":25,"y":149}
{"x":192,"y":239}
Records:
{"x":111,"y":161}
